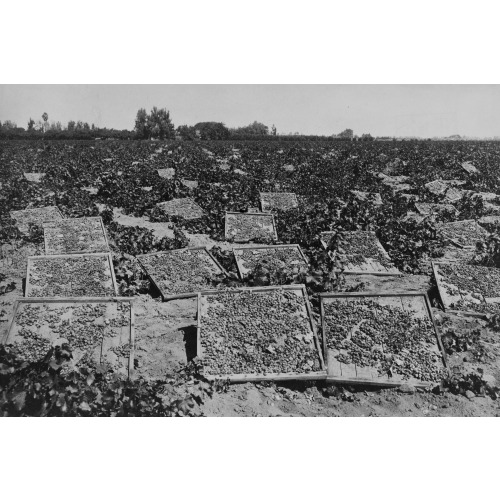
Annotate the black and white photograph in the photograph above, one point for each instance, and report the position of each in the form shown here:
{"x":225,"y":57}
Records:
{"x":282,"y":267}
{"x":249,"y":249}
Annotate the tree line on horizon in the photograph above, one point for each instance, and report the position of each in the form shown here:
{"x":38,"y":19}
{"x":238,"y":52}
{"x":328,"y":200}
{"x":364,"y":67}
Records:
{"x":155,"y":125}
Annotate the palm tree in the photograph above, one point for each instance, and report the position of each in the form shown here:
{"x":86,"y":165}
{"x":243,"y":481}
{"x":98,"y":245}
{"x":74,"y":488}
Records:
{"x":45,"y":117}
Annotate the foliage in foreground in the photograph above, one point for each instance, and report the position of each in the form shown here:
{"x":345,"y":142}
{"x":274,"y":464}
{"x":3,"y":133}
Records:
{"x":49,"y":388}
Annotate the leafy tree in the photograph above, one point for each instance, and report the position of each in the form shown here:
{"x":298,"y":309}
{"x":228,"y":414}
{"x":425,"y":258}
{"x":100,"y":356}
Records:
{"x":255,"y":128}
{"x":9,"y":125}
{"x":211,"y":131}
{"x":187,"y":133}
{"x":31,"y":125}
{"x":273,"y":130}
{"x":141,"y":124}
{"x":346,"y":134}
{"x":55,"y":127}
{"x":157,"y":124}
{"x":71,"y":126}
{"x":45,"y":117}
{"x":160,"y":124}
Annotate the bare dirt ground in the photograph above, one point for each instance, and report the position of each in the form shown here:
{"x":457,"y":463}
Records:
{"x":162,"y":229}
{"x":166,"y":341}
{"x":279,"y":401}
{"x":159,"y":229}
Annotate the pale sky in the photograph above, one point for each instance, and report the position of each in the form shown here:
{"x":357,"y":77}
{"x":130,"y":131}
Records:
{"x":393,"y":110}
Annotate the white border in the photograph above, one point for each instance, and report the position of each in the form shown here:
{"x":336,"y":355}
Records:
{"x":274,"y":42}
{"x":271,"y":42}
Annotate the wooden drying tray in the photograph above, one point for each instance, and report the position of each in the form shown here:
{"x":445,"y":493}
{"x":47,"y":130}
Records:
{"x":254,"y":214}
{"x":265,"y":204}
{"x":47,"y":250}
{"x":443,"y":294}
{"x":13,"y":214}
{"x":270,"y":377}
{"x":104,"y":300}
{"x":448,"y":239}
{"x":165,"y":296}
{"x":70,"y":256}
{"x":351,"y":374}
{"x":383,"y":271}
{"x":265,"y":247}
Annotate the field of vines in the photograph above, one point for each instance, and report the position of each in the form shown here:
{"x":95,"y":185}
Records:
{"x":338,"y":188}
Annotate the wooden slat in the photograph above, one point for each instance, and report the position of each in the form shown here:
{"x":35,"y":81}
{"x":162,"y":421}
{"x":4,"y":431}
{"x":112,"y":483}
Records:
{"x":366,"y":373}
{"x":281,"y":377}
{"x":350,"y":268}
{"x":377,"y":267}
{"x":312,"y":324}
{"x":436,"y":329}
{"x":446,"y":298}
{"x":391,"y":301}
{"x":6,"y":339}
{"x":324,"y":349}
{"x":199,"y":352}
{"x":132,"y":340}
{"x":334,"y":365}
{"x":348,"y":371}
{"x":373,"y":273}
{"x":371,"y":265}
{"x":416,"y":306}
{"x":112,"y":272}
{"x":104,"y":233}
{"x":27,"y":290}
